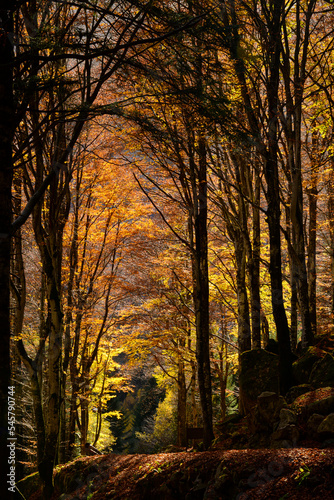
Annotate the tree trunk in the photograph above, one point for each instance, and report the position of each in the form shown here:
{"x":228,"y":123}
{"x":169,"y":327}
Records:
{"x":330,"y":217}
{"x":193,"y":414}
{"x":181,"y":405}
{"x":84,"y":407}
{"x":52,"y":416}
{"x":312,"y":237}
{"x":273,"y":202}
{"x":223,"y":370}
{"x":19,"y":302}
{"x":299,"y":255}
{"x":244,"y":333}
{"x":6,"y":173}
{"x":255,"y":268}
{"x":201,"y":296}
{"x":72,"y":421}
{"x":293,"y":288}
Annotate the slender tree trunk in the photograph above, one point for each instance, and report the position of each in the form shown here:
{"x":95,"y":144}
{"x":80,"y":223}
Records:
{"x":330,"y":216}
{"x":181,"y":405}
{"x":312,"y":237}
{"x":299,"y":255}
{"x":72,"y":421}
{"x":293,"y":288}
{"x":223,"y":370}
{"x":264,"y":329}
{"x":244,"y":332}
{"x":84,"y":405}
{"x":193,"y":414}
{"x":255,"y":268}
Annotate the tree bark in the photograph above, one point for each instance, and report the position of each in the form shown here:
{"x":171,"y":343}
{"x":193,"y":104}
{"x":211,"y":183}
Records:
{"x":312,"y":236}
{"x":201,"y":296}
{"x":6,"y":175}
{"x":181,"y":404}
{"x":273,"y":200}
{"x":330,"y":216}
{"x":254,"y":269}
{"x":244,"y":331}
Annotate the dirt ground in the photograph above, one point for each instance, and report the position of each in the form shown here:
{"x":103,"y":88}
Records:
{"x":296,"y":473}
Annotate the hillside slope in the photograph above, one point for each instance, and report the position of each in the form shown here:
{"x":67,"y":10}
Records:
{"x":295,"y":473}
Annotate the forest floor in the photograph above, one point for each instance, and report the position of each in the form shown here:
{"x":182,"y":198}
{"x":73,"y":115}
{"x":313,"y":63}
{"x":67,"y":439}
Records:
{"x":295,"y":473}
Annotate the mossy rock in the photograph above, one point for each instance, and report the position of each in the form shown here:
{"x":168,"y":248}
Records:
{"x":318,"y":401}
{"x":322,"y":374}
{"x":296,"y":391}
{"x":302,"y":368}
{"x":267,"y":412}
{"x":326,"y":428}
{"x":258,"y":374}
{"x":313,"y":423}
{"x":73,"y":475}
{"x":29,"y":485}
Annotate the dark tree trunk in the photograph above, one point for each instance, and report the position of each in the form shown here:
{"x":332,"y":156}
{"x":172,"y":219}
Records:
{"x":255,"y":268}
{"x":244,"y":333}
{"x":201,"y":297}
{"x":273,"y":201}
{"x":19,"y":301}
{"x":72,"y":422}
{"x":6,"y":173}
{"x":181,"y":405}
{"x":293,"y":288}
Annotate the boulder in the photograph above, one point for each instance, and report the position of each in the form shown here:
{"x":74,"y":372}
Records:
{"x":322,"y":374}
{"x":318,"y":401}
{"x":286,"y":417}
{"x":29,"y":485}
{"x":266,"y":412}
{"x":313,"y":423}
{"x":258,"y":373}
{"x":326,"y":428}
{"x":289,"y":433}
{"x":297,"y":391}
{"x":302,"y":368}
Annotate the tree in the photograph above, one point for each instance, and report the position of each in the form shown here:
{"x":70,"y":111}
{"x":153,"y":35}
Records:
{"x":6,"y":175}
